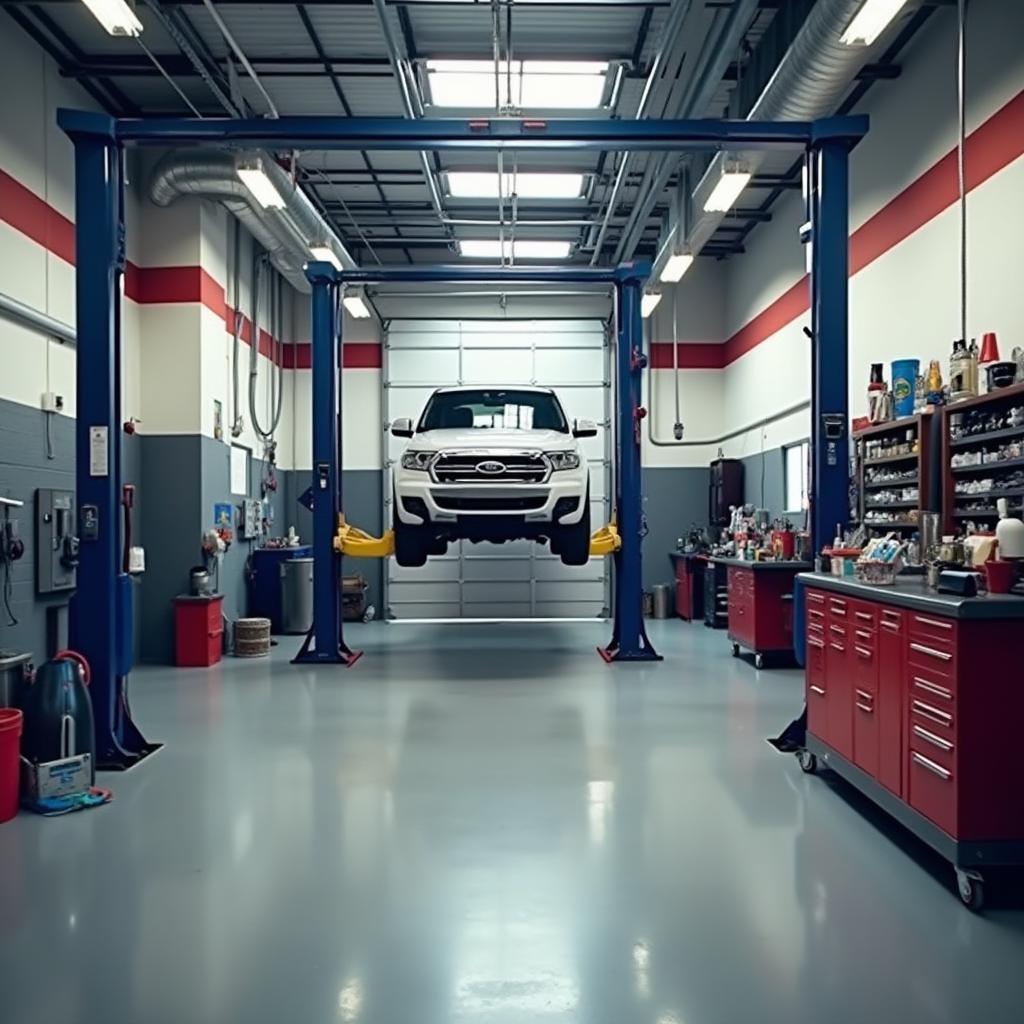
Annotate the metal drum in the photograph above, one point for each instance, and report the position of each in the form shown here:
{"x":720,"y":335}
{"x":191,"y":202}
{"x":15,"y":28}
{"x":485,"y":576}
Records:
{"x":252,"y":638}
{"x":297,"y":595}
{"x":662,"y":599}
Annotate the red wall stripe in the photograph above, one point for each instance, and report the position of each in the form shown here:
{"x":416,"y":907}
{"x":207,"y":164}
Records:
{"x":990,"y":148}
{"x":355,"y":355}
{"x":692,"y":355}
{"x":34,"y":217}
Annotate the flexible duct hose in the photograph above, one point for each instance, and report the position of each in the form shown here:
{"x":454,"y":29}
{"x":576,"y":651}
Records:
{"x":260,"y":264}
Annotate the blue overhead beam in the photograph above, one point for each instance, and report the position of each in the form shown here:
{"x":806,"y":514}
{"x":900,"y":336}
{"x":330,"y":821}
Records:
{"x":475,"y":274}
{"x":393,"y":133}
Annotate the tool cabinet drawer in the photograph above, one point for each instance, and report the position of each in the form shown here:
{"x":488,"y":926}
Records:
{"x":931,"y":790}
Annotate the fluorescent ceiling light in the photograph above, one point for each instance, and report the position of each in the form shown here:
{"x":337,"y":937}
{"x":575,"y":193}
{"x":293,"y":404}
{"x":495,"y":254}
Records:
{"x":649,"y":303}
{"x":356,"y":305}
{"x":723,"y":196}
{"x":678,"y":264}
{"x":115,"y":16}
{"x":484,"y":185}
{"x":536,"y":84}
{"x":325,"y":254}
{"x":522,"y":249}
{"x":256,"y":181}
{"x":871,"y":21}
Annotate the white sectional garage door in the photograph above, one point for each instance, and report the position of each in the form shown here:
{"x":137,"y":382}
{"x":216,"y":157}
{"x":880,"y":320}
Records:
{"x":519,"y":579}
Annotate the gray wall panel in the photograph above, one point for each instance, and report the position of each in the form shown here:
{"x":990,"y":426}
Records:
{"x":763,"y":481}
{"x":674,"y":499}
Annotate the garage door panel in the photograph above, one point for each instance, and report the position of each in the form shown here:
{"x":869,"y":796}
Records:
{"x":428,"y":366}
{"x":503,"y":580}
{"x":436,"y":569}
{"x":491,"y":570}
{"x":569,"y":366}
{"x":480,"y":366}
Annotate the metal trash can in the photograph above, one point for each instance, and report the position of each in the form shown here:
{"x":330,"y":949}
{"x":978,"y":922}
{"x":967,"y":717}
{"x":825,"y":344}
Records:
{"x":296,"y":595}
{"x":662,"y":598}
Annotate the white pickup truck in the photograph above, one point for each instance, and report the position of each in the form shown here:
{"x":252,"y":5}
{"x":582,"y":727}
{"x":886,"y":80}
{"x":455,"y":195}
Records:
{"x":491,"y":464}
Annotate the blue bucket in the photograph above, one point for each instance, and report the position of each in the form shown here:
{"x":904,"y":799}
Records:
{"x":904,"y":381}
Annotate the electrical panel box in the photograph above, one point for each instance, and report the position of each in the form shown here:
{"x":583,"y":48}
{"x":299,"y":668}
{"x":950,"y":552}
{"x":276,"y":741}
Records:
{"x":56,"y":541}
{"x":252,"y":519}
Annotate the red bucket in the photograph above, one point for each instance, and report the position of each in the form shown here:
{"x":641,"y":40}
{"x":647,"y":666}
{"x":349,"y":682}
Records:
{"x":10,"y":764}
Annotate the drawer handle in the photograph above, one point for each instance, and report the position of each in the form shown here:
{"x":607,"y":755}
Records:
{"x":865,"y":616}
{"x":841,"y":630}
{"x":839,"y":601}
{"x":939,"y":691}
{"x":817,"y":689}
{"x":933,"y":713}
{"x":815,"y":642}
{"x":931,"y":652}
{"x":935,"y":769}
{"x":838,"y":611}
{"x":935,"y":741}
{"x":864,"y":695}
{"x":815,"y":614}
{"x":864,"y":635}
{"x":815,"y":598}
{"x":838,"y":647}
{"x":892,"y":627}
{"x":933,"y":622}
{"x":863,"y":652}
{"x":865,"y":707}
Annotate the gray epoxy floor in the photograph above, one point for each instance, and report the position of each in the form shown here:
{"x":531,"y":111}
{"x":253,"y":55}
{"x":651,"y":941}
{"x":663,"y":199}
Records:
{"x":484,"y":824}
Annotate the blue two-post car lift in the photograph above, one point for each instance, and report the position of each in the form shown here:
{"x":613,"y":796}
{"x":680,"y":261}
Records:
{"x":100,"y":613}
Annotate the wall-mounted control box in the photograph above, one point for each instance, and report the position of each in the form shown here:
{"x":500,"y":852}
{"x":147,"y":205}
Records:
{"x":56,"y":541}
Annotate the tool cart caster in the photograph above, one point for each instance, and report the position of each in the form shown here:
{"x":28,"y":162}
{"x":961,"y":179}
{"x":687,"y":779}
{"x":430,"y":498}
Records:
{"x":735,"y":650}
{"x":971,"y":889}
{"x":808,"y":762}
{"x":758,"y":661}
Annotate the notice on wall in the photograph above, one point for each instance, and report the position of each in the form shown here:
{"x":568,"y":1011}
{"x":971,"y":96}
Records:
{"x":99,"y":451}
{"x":239,"y":469}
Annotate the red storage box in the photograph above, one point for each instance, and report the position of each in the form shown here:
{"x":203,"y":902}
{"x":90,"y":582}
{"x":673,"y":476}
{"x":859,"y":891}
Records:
{"x":198,"y":631}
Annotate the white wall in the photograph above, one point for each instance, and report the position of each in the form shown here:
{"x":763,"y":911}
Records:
{"x":39,"y":156}
{"x":905,"y":303}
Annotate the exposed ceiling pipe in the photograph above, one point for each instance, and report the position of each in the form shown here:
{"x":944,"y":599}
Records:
{"x":810,"y":82}
{"x":699,"y":93}
{"x":240,"y":54}
{"x":16,"y":311}
{"x":670,"y":36}
{"x":398,"y":66}
{"x":286,"y":233}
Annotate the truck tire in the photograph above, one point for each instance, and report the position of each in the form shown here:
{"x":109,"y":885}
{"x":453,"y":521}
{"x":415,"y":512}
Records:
{"x":573,"y":545}
{"x":410,"y":549}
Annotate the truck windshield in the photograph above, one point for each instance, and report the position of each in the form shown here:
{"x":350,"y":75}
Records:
{"x":493,"y":409}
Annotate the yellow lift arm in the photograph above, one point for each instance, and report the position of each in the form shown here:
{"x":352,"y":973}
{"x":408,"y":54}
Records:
{"x":350,"y":540}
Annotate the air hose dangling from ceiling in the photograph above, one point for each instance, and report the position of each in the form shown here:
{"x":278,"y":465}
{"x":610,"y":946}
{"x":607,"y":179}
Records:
{"x":237,"y":423}
{"x":261,"y":270}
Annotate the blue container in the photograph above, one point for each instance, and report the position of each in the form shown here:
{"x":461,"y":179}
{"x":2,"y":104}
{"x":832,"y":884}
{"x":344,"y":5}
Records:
{"x":904,"y":381}
{"x":265,"y":582}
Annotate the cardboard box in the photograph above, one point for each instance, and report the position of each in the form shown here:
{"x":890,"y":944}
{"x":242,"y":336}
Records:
{"x":56,"y":778}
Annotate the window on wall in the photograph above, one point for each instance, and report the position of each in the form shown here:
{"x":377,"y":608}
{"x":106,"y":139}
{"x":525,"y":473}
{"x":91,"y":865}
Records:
{"x":797,"y":476}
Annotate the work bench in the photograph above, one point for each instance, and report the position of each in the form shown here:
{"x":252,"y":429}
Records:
{"x":761,"y":605}
{"x":917,"y":699}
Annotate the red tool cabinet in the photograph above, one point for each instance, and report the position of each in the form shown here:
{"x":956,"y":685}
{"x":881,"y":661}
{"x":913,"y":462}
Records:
{"x":917,"y":699}
{"x":198,"y":630}
{"x":761,"y":606}
{"x":689,"y":573}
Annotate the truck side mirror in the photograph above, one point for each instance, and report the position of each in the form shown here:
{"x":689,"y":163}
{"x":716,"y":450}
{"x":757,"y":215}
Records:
{"x":584,"y":428}
{"x":402,"y":427}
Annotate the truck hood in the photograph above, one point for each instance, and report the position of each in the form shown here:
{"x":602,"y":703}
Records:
{"x":545,"y":440}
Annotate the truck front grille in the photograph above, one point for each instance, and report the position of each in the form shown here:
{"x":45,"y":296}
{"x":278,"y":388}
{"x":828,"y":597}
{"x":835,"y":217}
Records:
{"x":481,"y":467}
{"x":450,"y":504}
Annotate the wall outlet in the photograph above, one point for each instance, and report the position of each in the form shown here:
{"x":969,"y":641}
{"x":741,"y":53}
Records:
{"x":52,"y":402}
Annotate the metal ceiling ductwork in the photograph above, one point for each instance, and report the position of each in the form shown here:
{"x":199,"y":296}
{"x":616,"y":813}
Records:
{"x":810,"y":82}
{"x":286,"y":233}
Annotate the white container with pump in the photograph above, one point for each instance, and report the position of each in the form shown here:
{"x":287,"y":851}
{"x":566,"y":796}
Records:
{"x":1009,"y":533}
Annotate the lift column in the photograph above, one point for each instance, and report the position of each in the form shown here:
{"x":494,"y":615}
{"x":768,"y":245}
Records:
{"x":324,"y":643}
{"x":100,"y":625}
{"x":629,"y":638}
{"x":829,"y":177}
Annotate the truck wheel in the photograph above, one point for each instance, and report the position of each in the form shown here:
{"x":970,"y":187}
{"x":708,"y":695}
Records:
{"x":574,"y":541}
{"x":410,"y":550}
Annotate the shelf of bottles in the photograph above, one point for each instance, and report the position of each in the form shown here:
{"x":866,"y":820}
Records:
{"x":892,"y":474}
{"x":983,"y":458}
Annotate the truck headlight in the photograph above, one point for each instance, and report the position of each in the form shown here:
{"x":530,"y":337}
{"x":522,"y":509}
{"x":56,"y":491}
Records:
{"x":417,"y":460}
{"x":564,"y":460}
